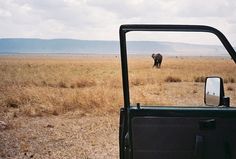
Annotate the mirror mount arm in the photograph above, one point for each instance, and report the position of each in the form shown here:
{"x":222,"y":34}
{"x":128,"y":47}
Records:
{"x":226,"y":101}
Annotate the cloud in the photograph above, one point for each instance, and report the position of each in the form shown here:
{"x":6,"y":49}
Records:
{"x":100,"y":19}
{"x":201,"y":9}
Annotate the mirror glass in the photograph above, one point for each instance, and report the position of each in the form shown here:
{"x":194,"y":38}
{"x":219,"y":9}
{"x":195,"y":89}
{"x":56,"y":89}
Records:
{"x":212,"y":91}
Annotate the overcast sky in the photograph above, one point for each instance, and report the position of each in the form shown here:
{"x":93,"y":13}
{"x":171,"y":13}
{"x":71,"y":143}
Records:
{"x":100,"y":19}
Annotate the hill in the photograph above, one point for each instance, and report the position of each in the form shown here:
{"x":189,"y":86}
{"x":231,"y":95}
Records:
{"x":27,"y":45}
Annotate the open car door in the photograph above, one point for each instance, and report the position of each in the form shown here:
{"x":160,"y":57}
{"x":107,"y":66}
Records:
{"x":162,"y":132}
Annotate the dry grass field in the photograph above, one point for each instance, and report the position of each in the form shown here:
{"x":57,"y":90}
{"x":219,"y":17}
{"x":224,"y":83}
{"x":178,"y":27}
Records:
{"x":68,"y":107}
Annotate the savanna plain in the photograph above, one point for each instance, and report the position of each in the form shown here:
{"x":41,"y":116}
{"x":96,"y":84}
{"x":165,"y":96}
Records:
{"x":68,"y":106}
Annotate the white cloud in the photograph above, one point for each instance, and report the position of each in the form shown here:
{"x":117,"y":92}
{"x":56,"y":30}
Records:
{"x":100,"y":19}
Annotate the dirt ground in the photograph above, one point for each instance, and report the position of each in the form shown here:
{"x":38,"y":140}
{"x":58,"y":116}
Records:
{"x":71,"y":135}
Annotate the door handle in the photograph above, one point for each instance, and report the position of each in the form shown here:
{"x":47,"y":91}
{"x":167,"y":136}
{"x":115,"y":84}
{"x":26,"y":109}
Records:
{"x":208,"y":124}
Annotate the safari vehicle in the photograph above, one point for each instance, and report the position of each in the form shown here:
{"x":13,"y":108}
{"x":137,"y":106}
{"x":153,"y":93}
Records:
{"x":171,"y":132}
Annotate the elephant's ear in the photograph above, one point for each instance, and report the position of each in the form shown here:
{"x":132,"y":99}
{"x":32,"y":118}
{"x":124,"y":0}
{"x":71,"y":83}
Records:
{"x":153,"y":55}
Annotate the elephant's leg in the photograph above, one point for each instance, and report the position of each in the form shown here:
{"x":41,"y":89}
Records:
{"x":154,"y":64}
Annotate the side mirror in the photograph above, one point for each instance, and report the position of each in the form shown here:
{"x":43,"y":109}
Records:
{"x":214,"y":91}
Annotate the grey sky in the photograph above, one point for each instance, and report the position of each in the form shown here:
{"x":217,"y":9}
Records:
{"x":100,"y":19}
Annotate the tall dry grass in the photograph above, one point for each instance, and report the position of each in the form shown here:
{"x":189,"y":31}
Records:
{"x":180,"y":81}
{"x":37,"y":86}
{"x":40,"y":86}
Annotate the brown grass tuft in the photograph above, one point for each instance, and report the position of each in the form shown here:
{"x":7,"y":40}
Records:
{"x":85,"y":83}
{"x":55,"y":113}
{"x":137,"y":82}
{"x":142,"y":81}
{"x":230,"y":88}
{"x":44,"y":83}
{"x":72,"y":85}
{"x":229,"y":80}
{"x":199,"y":79}
{"x":62,"y":84}
{"x":172,"y":79}
{"x":194,"y":91}
{"x":13,"y":103}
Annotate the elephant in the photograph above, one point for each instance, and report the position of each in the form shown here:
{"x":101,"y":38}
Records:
{"x":157,"y":60}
